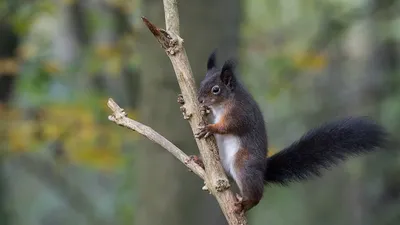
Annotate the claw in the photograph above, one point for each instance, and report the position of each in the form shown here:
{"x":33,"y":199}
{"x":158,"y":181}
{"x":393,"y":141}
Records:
{"x":208,"y":134}
{"x":201,"y":129}
{"x":202,"y":133}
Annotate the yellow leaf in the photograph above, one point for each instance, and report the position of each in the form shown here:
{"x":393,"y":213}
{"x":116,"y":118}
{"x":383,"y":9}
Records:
{"x":104,"y":50}
{"x":28,"y":51}
{"x":98,"y":157}
{"x":69,"y":115}
{"x":51,"y":130}
{"x":68,"y":2}
{"x":310,"y":61}
{"x":21,"y":136}
{"x":113,"y":65}
{"x":88,"y":133}
{"x":51,"y":67}
{"x":7,"y":113}
{"x":8,"y":66}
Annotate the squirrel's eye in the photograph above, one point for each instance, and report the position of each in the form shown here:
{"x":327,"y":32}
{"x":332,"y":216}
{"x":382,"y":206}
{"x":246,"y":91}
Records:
{"x":215,"y":90}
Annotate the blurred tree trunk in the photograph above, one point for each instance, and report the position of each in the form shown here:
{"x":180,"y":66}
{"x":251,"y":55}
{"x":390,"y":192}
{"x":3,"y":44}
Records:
{"x":382,"y":70}
{"x":168,"y":193}
{"x":8,"y":47}
{"x":362,"y":97}
{"x":318,"y":193}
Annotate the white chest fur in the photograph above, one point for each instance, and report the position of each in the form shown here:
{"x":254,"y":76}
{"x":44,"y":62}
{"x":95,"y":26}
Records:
{"x":228,"y":145}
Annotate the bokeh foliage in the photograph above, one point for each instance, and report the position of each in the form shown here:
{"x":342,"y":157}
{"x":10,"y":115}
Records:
{"x":305,"y":61}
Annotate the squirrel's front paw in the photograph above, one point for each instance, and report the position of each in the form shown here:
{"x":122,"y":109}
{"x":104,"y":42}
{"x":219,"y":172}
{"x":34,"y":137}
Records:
{"x":203,"y":132}
{"x":204,"y":110}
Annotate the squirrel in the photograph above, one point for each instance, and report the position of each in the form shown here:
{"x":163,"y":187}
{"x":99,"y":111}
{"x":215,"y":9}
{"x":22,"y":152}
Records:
{"x":239,"y":129}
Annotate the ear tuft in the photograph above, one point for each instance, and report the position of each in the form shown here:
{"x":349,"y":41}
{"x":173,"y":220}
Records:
{"x":229,"y":65}
{"x":227,"y":73}
{"x":212,"y":61}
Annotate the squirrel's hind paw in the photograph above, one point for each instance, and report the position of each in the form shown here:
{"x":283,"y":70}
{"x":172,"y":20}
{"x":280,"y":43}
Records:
{"x":196,"y":159}
{"x":239,"y":206}
{"x":238,"y":197}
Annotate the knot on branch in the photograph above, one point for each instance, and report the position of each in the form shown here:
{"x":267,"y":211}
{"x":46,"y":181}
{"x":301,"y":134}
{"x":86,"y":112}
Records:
{"x":169,"y":41}
{"x":180,"y":99}
{"x":221,"y":185}
{"x":185,"y":113}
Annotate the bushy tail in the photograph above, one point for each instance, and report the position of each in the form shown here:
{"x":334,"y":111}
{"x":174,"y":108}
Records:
{"x":324,"y":147}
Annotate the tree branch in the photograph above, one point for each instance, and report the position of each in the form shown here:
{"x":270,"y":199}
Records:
{"x":120,"y":118}
{"x":216,"y":180}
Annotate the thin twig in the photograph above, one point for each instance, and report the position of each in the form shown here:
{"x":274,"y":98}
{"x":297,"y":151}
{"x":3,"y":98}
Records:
{"x":120,"y":118}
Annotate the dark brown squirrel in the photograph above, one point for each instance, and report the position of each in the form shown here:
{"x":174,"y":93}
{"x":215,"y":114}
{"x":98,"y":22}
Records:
{"x":240,"y":132}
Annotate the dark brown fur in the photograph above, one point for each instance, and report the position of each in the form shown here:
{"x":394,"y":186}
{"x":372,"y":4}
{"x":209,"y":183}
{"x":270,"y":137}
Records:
{"x":243,"y":118}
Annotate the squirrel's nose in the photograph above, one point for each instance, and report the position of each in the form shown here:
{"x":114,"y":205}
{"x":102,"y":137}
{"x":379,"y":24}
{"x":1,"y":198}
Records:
{"x":201,"y":100}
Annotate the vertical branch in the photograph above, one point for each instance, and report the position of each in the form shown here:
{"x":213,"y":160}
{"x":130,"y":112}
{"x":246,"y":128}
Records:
{"x":216,"y":180}
{"x":171,"y":6}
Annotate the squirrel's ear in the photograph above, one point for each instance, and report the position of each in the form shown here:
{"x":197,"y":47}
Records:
{"x":211,"y":63}
{"x":227,"y":73}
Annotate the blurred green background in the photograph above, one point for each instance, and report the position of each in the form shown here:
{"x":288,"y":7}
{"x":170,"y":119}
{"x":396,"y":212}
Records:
{"x":305,"y":61}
